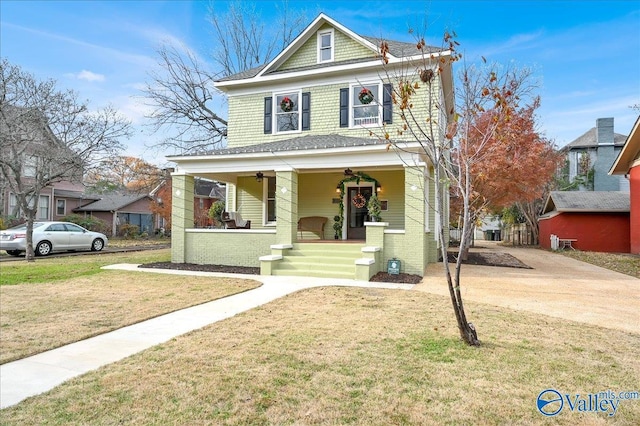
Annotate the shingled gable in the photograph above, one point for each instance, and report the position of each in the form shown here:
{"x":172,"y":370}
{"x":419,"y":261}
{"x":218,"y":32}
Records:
{"x":398,"y":52}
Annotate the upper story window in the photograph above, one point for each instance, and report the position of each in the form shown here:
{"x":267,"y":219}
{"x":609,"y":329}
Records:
{"x":287,"y":107}
{"x":366,"y":105}
{"x":325,"y":46}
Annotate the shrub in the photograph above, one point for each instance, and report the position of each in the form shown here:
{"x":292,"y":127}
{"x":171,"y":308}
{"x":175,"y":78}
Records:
{"x":128,"y":230}
{"x":90,"y":222}
{"x":216,"y":210}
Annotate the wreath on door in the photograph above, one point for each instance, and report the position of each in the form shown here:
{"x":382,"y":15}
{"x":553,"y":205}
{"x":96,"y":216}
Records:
{"x":358,"y":200}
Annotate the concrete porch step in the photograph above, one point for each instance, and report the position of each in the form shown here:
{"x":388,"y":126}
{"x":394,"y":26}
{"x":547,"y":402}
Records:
{"x":330,"y":260}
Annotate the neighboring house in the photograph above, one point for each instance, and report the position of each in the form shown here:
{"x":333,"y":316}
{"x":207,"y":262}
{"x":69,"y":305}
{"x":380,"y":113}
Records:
{"x":590,"y":157}
{"x":594,"y":220}
{"x":55,"y":201}
{"x":206,"y":192}
{"x":28,"y":140}
{"x":117,"y":210}
{"x":300,"y":148}
{"x":628,"y":165}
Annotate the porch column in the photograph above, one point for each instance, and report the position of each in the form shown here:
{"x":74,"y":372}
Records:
{"x":181,"y":215}
{"x":414,"y":219}
{"x":286,"y":206}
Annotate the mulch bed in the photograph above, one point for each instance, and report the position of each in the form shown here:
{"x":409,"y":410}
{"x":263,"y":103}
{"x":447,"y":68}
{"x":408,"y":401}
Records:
{"x":489,"y":259}
{"x":475,"y":258}
{"x":204,"y":268}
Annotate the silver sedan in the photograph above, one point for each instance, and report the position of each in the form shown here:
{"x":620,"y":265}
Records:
{"x":49,"y":237}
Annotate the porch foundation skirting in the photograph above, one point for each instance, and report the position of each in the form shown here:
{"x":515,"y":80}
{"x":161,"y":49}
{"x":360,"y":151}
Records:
{"x":237,"y":247}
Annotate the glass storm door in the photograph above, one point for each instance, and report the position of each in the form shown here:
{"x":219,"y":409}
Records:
{"x":357,"y":211}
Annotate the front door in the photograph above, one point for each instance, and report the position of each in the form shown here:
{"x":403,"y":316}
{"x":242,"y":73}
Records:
{"x":357,"y":211}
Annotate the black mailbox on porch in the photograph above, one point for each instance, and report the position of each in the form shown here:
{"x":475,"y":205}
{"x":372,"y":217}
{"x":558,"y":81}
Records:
{"x":393,"y":266}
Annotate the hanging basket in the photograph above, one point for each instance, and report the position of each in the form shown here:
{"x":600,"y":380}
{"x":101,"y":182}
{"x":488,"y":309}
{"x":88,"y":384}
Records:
{"x":286,"y":105}
{"x":365,"y":96}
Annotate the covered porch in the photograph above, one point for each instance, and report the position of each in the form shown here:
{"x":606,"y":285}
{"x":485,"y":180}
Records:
{"x":275,"y":192}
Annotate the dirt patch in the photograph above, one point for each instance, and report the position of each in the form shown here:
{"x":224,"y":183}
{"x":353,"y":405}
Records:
{"x":203,"y":268}
{"x":504,"y":260}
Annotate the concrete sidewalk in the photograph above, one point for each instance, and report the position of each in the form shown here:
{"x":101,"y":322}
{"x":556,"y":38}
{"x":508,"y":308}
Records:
{"x":39,"y":373}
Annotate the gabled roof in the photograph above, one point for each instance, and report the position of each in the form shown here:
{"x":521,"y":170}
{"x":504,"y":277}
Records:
{"x":64,"y":193}
{"x":302,"y":143}
{"x":111,"y":202}
{"x":630,"y":152}
{"x":590,"y":140}
{"x":398,"y":52}
{"x":587,"y":202}
{"x":208,"y":188}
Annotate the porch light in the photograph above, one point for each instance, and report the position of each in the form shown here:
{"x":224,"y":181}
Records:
{"x":338,"y":189}
{"x":378,"y":188}
{"x":259,"y":176}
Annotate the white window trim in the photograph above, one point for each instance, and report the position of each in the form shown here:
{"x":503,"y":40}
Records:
{"x":265,"y":201}
{"x":39,"y":212}
{"x":64,"y":208}
{"x":331,"y":48}
{"x":378,"y":102}
{"x":275,"y":107}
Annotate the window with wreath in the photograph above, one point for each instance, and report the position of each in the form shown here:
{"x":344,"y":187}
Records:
{"x":287,"y":107}
{"x":366,"y":105}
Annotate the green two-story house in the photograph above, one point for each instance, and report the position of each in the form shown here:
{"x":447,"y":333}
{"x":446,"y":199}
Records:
{"x":305,"y":146}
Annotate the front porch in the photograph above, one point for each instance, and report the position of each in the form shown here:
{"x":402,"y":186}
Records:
{"x":275,"y":196}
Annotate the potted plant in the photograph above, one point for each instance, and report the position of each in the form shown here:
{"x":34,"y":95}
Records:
{"x":373,"y":206}
{"x":337,"y":227}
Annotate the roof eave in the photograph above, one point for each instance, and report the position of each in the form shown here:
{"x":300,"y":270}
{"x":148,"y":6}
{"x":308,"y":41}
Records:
{"x":630,"y":152}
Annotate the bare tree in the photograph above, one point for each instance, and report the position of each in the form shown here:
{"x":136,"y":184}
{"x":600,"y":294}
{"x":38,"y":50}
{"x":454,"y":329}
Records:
{"x":48,"y":136}
{"x":453,"y":145}
{"x":181,"y":93}
{"x":182,"y":97}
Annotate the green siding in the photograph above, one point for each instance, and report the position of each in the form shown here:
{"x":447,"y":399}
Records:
{"x":246,"y":115}
{"x":249,"y":195}
{"x":345,"y":48}
{"x":318,"y":190}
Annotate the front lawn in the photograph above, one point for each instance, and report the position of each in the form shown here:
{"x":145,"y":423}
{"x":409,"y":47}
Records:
{"x":354,"y":356}
{"x":56,"y":301}
{"x":628,"y":264}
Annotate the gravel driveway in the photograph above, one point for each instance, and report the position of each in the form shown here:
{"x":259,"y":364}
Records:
{"x":557,"y":286}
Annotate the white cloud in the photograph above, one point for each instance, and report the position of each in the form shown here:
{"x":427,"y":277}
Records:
{"x":89,"y":76}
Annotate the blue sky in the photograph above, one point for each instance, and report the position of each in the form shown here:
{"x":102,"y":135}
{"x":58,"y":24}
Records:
{"x":586,"y":55}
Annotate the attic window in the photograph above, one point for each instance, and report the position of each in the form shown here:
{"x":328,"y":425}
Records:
{"x":325,"y":46}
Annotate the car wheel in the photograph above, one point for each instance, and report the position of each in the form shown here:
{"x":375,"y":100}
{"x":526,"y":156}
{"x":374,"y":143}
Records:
{"x":13,"y":252}
{"x":43,"y":248}
{"x":97,"y":245}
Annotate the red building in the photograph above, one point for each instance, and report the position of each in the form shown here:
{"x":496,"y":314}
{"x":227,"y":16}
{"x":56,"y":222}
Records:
{"x":592,"y":220}
{"x":628,"y":163}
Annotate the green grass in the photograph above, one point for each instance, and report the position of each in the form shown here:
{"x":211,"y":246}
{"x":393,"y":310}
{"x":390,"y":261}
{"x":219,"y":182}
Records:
{"x":628,"y":264}
{"x":337,"y":356}
{"x":61,"y":268}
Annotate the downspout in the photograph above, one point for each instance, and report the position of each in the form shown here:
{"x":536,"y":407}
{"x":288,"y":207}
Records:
{"x":52,"y":202}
